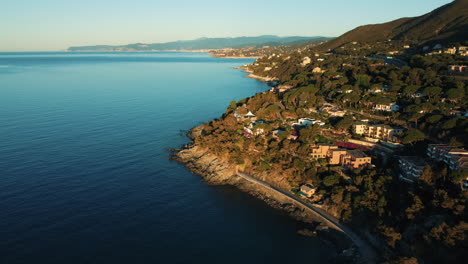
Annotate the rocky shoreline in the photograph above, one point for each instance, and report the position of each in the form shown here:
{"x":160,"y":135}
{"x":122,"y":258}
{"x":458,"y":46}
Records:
{"x":216,"y":171}
{"x":235,"y":57}
{"x":272,"y":81}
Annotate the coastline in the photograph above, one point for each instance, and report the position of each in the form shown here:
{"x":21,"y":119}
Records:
{"x":173,"y":50}
{"x":260,"y":78}
{"x":270,"y":80}
{"x":234,"y":57}
{"x":215,"y":170}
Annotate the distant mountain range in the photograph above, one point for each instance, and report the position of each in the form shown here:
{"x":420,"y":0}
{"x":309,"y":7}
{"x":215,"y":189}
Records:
{"x":206,"y":43}
{"x":448,"y":23}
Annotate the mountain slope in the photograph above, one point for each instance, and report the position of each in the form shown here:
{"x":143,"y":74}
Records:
{"x":367,"y":33}
{"x":205,"y":43}
{"x":448,"y":23}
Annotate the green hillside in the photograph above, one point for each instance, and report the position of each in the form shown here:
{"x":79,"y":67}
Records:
{"x":448,"y":23}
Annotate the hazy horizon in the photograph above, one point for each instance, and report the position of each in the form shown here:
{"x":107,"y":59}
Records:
{"x":52,"y":25}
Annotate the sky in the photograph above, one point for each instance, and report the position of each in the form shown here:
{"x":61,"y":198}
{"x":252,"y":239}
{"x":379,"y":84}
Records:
{"x":53,"y":25}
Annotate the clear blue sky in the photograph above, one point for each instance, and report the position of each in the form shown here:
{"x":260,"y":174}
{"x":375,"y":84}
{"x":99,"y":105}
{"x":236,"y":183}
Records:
{"x":29,"y":25}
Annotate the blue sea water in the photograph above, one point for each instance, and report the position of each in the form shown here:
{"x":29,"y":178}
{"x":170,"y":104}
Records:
{"x":85,"y":175}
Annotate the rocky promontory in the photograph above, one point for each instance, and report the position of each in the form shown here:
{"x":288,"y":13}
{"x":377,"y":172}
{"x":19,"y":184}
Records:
{"x":215,"y":170}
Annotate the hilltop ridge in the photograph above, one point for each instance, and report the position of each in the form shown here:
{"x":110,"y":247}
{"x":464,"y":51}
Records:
{"x":448,"y":23}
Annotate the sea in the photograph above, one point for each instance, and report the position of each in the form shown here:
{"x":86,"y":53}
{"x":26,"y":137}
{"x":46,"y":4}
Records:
{"x":85,"y":175}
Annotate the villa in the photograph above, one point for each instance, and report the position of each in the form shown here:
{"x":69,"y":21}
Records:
{"x":340,"y":156}
{"x":393,"y":107}
{"x":307,"y":190}
{"x":306,"y":122}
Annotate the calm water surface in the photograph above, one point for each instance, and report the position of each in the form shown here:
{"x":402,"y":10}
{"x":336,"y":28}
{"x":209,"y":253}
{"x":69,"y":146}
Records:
{"x":85,"y":178}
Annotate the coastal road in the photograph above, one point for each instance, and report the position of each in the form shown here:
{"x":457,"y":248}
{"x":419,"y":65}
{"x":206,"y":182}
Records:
{"x":366,"y":250}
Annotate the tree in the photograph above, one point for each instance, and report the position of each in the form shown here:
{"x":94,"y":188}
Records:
{"x":411,"y":89}
{"x":415,"y":207}
{"x":434,"y":119}
{"x":232,"y":105}
{"x":415,"y":117}
{"x":345,"y":123}
{"x":427,"y":175}
{"x":455,"y":94}
{"x":432,"y":91}
{"x":413,"y":135}
{"x":459,"y":175}
{"x":456,"y":141}
{"x":391,"y":236}
{"x":362,"y":80}
{"x":451,"y":123}
{"x":308,"y":134}
{"x":331,"y":180}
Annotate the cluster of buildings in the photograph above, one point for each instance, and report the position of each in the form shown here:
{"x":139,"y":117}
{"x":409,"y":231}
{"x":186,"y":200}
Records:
{"x":455,"y":158}
{"x":460,"y":50}
{"x":340,"y":156}
{"x":281,"y":88}
{"x":253,"y":129}
{"x":412,"y":167}
{"x":379,"y":131}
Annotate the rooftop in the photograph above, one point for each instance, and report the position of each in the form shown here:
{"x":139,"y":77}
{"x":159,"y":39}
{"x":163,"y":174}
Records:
{"x":357,"y":153}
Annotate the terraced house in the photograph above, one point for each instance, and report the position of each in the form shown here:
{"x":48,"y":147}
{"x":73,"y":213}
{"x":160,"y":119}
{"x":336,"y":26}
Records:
{"x":411,"y":167}
{"x":455,"y":158}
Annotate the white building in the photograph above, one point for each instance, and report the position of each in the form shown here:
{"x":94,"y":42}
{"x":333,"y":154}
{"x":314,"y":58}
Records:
{"x":306,"y":122}
{"x":305,"y":61}
{"x":317,"y":70}
{"x":250,"y":115}
{"x":393,"y":107}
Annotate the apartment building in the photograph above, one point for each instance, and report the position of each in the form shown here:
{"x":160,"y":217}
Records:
{"x":340,"y":156}
{"x":355,"y":159}
{"x":321,"y":151}
{"x":455,"y":158}
{"x":411,"y":167}
{"x":382,"y":132}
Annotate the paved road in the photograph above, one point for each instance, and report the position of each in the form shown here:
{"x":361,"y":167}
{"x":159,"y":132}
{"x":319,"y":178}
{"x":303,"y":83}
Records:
{"x":367,"y":252}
